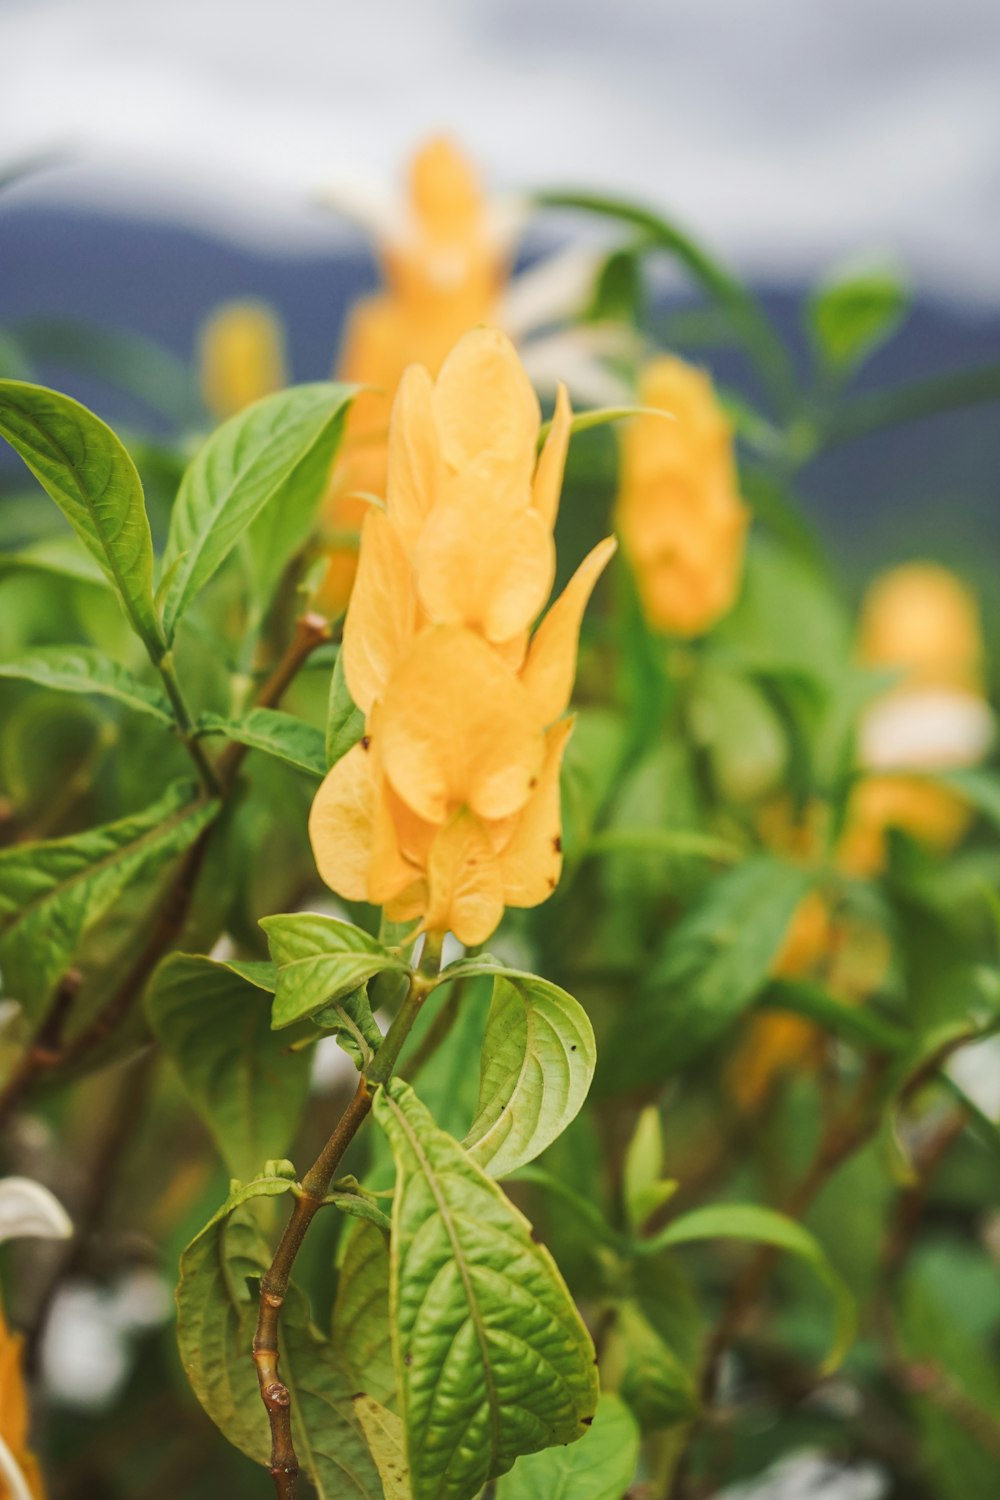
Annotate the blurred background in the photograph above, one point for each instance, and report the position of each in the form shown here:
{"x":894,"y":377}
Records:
{"x":183,"y":151}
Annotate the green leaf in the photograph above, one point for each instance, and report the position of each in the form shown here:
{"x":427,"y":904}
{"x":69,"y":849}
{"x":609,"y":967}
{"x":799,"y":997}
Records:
{"x":748,"y":1221}
{"x":247,"y":1085}
{"x":345,"y":723}
{"x":537,"y":1064}
{"x":361,"y":1330}
{"x":977,"y":786}
{"x":320,"y":962}
{"x":601,"y":1466}
{"x":242,"y":467}
{"x":85,"y":469}
{"x":660,"y":1389}
{"x":383,"y":1431}
{"x":52,"y":893}
{"x":644,"y":1188}
{"x":60,"y":557}
{"x":216,"y":1314}
{"x":492,"y":1359}
{"x":275,"y":733}
{"x":709,"y":969}
{"x":141,"y":366}
{"x":602,"y":416}
{"x":747,"y":317}
{"x":854,"y":1023}
{"x":850,"y":317}
{"x":81,"y":669}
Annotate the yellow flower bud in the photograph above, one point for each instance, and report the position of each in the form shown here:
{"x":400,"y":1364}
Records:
{"x":680,"y":517}
{"x":242,"y":357}
{"x":448,"y":808}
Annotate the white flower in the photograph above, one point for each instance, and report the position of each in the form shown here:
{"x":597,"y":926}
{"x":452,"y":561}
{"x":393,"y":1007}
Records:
{"x":28,"y":1210}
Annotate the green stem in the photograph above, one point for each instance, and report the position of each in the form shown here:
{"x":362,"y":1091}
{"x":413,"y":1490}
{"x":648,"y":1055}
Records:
{"x":185,"y":724}
{"x":925,"y":398}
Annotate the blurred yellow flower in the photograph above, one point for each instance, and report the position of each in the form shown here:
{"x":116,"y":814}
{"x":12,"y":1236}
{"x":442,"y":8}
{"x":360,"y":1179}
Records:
{"x":14,"y":1420}
{"x":680,"y":517}
{"x":920,"y":620}
{"x":242,"y":347}
{"x":448,"y":808}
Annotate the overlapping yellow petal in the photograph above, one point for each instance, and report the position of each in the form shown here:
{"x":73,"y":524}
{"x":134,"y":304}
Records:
{"x":551,"y":662}
{"x":531,"y":862}
{"x":341,"y":824}
{"x":552,"y":460}
{"x":466,"y":894}
{"x":381,"y":621}
{"x":485,"y":403}
{"x":415,"y":472}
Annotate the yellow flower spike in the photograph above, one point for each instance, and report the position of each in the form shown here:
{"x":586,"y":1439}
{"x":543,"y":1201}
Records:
{"x":479,"y":565}
{"x":551,"y":464}
{"x":341,"y":824}
{"x":550,"y":667}
{"x":416,"y":469}
{"x":464,"y":881}
{"x":445,"y":192}
{"x":242,"y":357}
{"x":921,"y":619}
{"x":680,"y":516}
{"x":485,"y":403}
{"x":531,"y":861}
{"x":457,"y":729}
{"x":381,"y":621}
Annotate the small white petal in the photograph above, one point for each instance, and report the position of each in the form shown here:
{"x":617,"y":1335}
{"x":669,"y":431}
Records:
{"x":925,"y":730}
{"x":10,"y":1473}
{"x":568,"y":356}
{"x":553,"y":289}
{"x":29,"y":1210}
{"x":372,"y":206}
{"x":976,"y":1070}
{"x":508,"y":218}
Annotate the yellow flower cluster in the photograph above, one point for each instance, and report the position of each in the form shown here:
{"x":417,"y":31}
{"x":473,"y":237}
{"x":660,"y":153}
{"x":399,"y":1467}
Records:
{"x":680,"y":517}
{"x":442,"y":277}
{"x":448,"y":808}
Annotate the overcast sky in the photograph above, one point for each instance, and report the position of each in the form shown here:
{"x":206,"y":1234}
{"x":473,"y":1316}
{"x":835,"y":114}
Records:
{"x":790,"y":132}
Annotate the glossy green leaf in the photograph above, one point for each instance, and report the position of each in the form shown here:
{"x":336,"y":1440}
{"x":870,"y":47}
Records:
{"x":245,"y":1082}
{"x":345,"y":723}
{"x":90,"y":476}
{"x":52,"y":893}
{"x":658,"y":1386}
{"x":708,"y":971}
{"x":59,"y":557}
{"x":320,"y":961}
{"x":147,"y":370}
{"x":601,"y":1466}
{"x":492,"y":1359}
{"x":275,"y":733}
{"x":749,"y":1221}
{"x":603,"y":416}
{"x":216,"y":1314}
{"x":384,"y":1434}
{"x":644,"y":1188}
{"x":537,"y":1064}
{"x":244,"y":465}
{"x":81,"y":669}
{"x":361,"y":1330}
{"x":850,"y":317}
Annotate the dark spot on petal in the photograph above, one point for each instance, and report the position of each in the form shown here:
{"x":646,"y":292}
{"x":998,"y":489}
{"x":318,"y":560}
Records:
{"x":553,"y":882}
{"x":533,"y":783}
{"x":366,"y":742}
{"x":557,"y":844}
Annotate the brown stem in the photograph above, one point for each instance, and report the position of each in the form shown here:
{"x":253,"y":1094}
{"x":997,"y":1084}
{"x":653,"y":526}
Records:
{"x":311,"y":630}
{"x":284,"y":1467}
{"x":45,"y":1050}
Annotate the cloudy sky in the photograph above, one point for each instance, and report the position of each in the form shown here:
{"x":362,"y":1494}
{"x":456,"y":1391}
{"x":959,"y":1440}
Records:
{"x":790,"y":132}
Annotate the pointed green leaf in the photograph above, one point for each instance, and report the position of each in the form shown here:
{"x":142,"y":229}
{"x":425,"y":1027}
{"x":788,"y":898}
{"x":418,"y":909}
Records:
{"x":345,"y":723}
{"x":383,"y":1431}
{"x":655,"y":1382}
{"x":643,"y":1187}
{"x":244,"y":465}
{"x":601,"y":1466}
{"x":492,"y":1358}
{"x":708,"y":972}
{"x":245,"y":1082}
{"x":320,"y":961}
{"x":361,"y":1330}
{"x":52,"y":893}
{"x":88,"y":473}
{"x":60,"y":557}
{"x":537,"y":1064}
{"x":275,"y":733}
{"x":81,"y":669}
{"x":749,"y":1221}
{"x":850,"y":317}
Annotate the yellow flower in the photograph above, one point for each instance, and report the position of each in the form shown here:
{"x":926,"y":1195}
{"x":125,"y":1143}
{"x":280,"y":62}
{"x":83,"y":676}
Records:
{"x":14,"y":1416}
{"x":448,"y":808}
{"x":242,"y":357}
{"x":680,"y":517}
{"x":920,"y":620}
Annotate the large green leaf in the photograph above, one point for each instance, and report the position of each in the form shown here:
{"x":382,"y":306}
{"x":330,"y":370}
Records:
{"x":345,"y":723}
{"x":387,"y":1441}
{"x":361,"y":1330}
{"x":242,"y":467}
{"x":81,"y":669}
{"x":601,"y":1466}
{"x":275,"y":733}
{"x":52,"y":893}
{"x":708,"y":971}
{"x":86,"y":470}
{"x":537,"y":1064}
{"x":59,"y":557}
{"x":492,"y":1359}
{"x":749,"y":1221}
{"x":320,"y":962}
{"x":246,"y":1083}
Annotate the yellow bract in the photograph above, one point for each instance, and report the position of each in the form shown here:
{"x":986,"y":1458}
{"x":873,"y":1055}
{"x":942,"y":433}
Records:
{"x":448,"y":809}
{"x":442,"y":277}
{"x":242,"y":357}
{"x":14,"y":1411}
{"x":680,"y":516}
